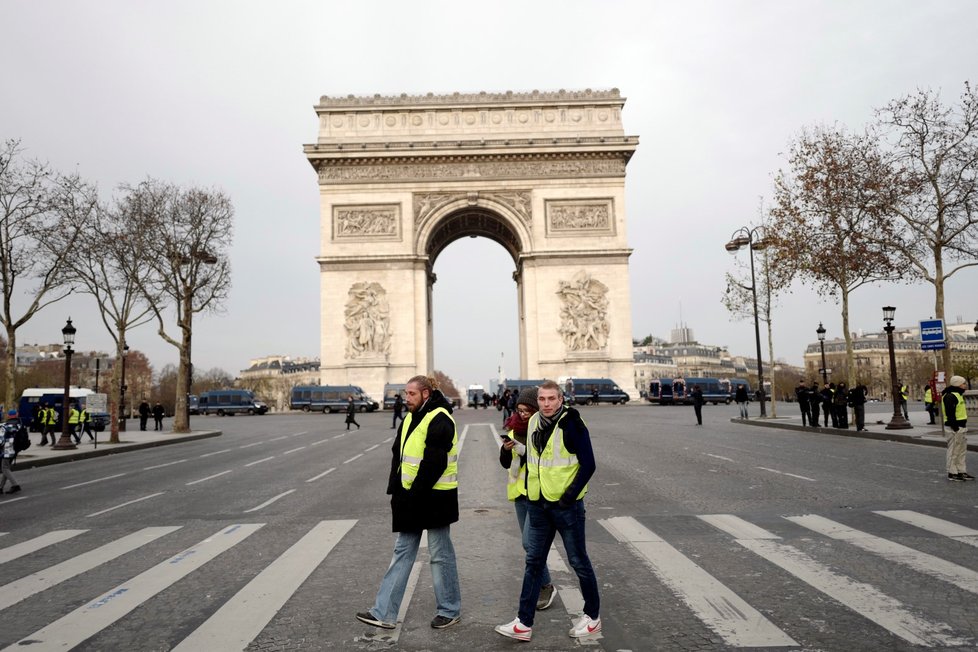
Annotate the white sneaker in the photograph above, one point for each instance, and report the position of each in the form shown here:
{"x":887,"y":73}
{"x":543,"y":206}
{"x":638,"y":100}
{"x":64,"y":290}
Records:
{"x":584,"y":626}
{"x":516,"y":630}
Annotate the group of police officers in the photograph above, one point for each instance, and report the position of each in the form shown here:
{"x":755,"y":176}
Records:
{"x":46,"y":419}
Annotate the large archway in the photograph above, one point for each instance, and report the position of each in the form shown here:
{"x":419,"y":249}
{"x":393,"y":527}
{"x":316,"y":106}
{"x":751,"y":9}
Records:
{"x":542,"y":174}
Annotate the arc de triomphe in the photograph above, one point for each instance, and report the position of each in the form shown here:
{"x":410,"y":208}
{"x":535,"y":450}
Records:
{"x":541,"y":173}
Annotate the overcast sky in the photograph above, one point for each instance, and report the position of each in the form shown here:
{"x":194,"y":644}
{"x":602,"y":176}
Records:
{"x":221,"y":94}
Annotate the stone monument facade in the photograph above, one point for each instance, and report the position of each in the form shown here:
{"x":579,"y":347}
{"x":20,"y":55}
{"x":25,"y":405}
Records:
{"x":541,"y":173}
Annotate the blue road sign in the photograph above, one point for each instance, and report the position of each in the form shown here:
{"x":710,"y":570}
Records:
{"x":932,"y":335}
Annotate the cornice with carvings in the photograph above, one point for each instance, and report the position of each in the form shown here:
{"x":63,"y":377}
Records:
{"x":326,"y":102}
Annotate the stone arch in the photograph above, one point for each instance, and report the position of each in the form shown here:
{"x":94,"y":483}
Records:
{"x":472,"y":217}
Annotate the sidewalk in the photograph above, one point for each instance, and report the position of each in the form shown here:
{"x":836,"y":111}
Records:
{"x":131,"y":440}
{"x":922,"y":433}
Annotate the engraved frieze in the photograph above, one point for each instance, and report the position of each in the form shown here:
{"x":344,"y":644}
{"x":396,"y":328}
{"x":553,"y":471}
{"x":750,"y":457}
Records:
{"x":583,"y":313}
{"x":580,"y":217}
{"x":581,"y":167}
{"x":367,"y":321}
{"x":374,"y":222}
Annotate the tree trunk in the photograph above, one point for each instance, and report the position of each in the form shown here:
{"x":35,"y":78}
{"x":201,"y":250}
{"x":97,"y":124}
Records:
{"x":116,"y":408}
{"x":850,"y":369}
{"x":939,"y":313}
{"x":10,"y":373}
{"x":181,"y":416}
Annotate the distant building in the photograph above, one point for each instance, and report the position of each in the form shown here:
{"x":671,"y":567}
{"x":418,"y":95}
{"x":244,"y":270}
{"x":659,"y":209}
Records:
{"x":273,"y":377}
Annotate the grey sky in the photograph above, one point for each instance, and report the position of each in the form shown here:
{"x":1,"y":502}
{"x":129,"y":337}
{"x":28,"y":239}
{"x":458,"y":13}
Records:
{"x":221,"y":94}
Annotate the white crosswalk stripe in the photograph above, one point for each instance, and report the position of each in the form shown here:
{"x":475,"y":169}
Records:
{"x":935,"y":525}
{"x":27,"y":547}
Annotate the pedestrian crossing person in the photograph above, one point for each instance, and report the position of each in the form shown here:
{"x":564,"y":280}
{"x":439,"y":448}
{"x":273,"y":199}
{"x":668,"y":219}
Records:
{"x":423,"y":485}
{"x":956,"y":420}
{"x":351,"y":413}
{"x":8,"y":451}
{"x":512,"y":457}
{"x":559,"y":464}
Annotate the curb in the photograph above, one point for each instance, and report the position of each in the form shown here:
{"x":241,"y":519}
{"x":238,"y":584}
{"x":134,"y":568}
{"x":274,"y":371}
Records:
{"x":838,"y":432}
{"x":112,"y":449}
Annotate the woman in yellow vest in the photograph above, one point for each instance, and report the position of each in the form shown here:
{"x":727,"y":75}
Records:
{"x":512,"y":456}
{"x":423,"y":486}
{"x":956,"y":419}
{"x":929,"y":404}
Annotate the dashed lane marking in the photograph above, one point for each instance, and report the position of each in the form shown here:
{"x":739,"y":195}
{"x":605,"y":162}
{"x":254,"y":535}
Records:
{"x":226,"y":450}
{"x":138,"y":500}
{"x":294,"y":450}
{"x":790,"y":475}
{"x":210,"y":477}
{"x":160,"y":466}
{"x":270,"y":501}
{"x":323,"y":474}
{"x":82,"y":484}
{"x":264,"y":459}
{"x":357,"y":456}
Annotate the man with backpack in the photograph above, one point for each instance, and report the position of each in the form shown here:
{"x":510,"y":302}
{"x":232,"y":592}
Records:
{"x":15,"y":439}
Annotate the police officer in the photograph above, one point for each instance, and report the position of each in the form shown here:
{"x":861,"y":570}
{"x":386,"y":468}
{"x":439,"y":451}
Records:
{"x":956,"y":419}
{"x":85,"y":419}
{"x":74,"y":416}
{"x":423,"y":486}
{"x":904,"y":395}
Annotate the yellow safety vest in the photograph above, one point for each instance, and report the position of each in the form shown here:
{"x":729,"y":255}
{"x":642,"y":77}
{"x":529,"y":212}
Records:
{"x":412,"y":452}
{"x":83,"y":417}
{"x":551,"y":472}
{"x":73,"y":416}
{"x":928,"y":397}
{"x":904,"y":392}
{"x":960,"y":409}
{"x":50,"y":416}
{"x":516,"y":476}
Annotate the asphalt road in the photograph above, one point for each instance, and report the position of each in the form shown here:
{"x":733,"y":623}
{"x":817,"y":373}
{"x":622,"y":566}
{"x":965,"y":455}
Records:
{"x":703,"y":538}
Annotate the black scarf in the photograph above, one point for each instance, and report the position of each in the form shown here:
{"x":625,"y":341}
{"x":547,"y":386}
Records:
{"x":545,"y":428}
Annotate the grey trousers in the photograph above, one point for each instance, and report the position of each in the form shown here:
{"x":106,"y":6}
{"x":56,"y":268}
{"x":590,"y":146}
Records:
{"x":7,"y":475}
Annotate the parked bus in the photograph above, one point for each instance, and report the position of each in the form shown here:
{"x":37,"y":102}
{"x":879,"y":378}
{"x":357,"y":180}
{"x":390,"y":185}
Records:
{"x":33,"y":397}
{"x":715,"y":390}
{"x":607,"y":391}
{"x":390,"y":392}
{"x":330,"y":398}
{"x":667,"y":391}
{"x":228,"y":402}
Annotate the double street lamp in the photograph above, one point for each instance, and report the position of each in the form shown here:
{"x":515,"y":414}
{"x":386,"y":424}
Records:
{"x":750,"y":238}
{"x":65,"y":443}
{"x":821,"y":341}
{"x":898,"y":422}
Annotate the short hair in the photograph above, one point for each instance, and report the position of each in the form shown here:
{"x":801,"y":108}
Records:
{"x":549,"y":384}
{"x":424,"y":382}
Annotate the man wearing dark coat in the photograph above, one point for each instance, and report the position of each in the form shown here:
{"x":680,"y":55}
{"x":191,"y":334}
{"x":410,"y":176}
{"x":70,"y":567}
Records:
{"x":423,"y":486}
{"x":398,"y":410}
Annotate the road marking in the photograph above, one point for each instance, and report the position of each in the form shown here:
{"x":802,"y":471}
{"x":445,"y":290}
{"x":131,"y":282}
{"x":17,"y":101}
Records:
{"x":800,"y":477}
{"x":242,"y":618}
{"x":269,"y":501}
{"x":720,"y":457}
{"x":324,"y":473}
{"x":388,"y":440}
{"x":160,"y":466}
{"x":27,"y":586}
{"x":902,"y":468}
{"x":210,"y":477}
{"x":43,"y":541}
{"x":226,"y":450}
{"x":719,"y":608}
{"x":294,"y":450}
{"x":736,"y":527}
{"x":82,"y":484}
{"x":7,"y":501}
{"x":371,"y":448}
{"x":88,"y":620}
{"x":461,"y":438}
{"x":254,"y":443}
{"x":962,"y":577}
{"x":317,"y":443}
{"x":279,"y":438}
{"x":138,"y":500}
{"x":264,"y":459}
{"x":342,"y":434}
{"x":862,"y":598}
{"x":935,"y":525}
{"x":358,"y":455}
{"x":296,"y":434}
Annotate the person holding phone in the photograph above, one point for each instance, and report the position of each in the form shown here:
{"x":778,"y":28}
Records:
{"x":512,"y":456}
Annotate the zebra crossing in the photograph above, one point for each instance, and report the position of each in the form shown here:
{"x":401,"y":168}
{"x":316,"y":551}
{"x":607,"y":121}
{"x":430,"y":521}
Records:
{"x":717,"y":603}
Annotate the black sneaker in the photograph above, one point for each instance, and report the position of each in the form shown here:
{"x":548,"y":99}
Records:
{"x":967,"y":476}
{"x":441,"y":622}
{"x":368,"y":618}
{"x":955,"y":477}
{"x":14,"y":489}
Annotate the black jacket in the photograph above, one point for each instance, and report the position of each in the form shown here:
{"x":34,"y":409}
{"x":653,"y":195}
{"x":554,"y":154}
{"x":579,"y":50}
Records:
{"x":950,"y":405}
{"x":422,"y":507}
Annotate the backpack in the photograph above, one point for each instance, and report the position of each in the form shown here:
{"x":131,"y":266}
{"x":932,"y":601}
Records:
{"x":22,"y":440}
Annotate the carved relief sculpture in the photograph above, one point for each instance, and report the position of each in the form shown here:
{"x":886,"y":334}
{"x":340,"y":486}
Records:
{"x":584,"y":313}
{"x":572,"y":217}
{"x":367,"y":321}
{"x":366,"y":222}
{"x":424,"y":203}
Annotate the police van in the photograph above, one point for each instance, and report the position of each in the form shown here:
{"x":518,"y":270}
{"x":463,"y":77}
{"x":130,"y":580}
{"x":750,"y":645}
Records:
{"x":330,"y":398}
{"x":228,"y":402}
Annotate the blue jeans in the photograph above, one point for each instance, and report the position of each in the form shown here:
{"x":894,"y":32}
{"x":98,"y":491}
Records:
{"x":520,"y":503}
{"x":444,"y":575}
{"x":545,"y":520}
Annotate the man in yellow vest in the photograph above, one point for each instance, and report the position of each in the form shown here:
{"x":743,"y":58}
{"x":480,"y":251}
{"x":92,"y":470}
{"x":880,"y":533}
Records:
{"x":74,"y":416}
{"x":929,"y":404}
{"x":423,"y":486}
{"x":559,"y":463}
{"x":48,"y":418}
{"x":956,"y":419}
{"x":904,"y":396}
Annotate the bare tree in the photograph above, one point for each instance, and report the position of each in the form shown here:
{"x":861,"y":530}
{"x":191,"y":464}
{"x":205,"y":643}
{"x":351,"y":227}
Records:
{"x":189,"y":233}
{"x":831,"y":215}
{"x":42,"y":213}
{"x":936,"y":147}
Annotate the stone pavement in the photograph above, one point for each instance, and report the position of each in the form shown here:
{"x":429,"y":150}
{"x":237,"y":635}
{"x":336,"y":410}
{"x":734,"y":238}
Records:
{"x":130,"y":440}
{"x":922,"y":433}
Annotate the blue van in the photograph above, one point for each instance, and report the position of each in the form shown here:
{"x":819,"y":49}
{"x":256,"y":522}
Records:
{"x":589,"y":391}
{"x":330,"y":398}
{"x":667,"y":391}
{"x":715,"y":390}
{"x":228,"y":402}
{"x":391,"y":390}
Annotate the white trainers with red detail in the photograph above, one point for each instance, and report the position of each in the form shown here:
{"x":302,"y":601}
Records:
{"x":585,"y":626}
{"x":516,"y":630}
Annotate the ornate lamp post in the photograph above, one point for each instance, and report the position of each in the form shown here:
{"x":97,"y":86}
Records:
{"x":821,"y":341}
{"x":749,"y":237}
{"x":898,"y":422}
{"x":65,"y":443}
{"x":122,"y":391}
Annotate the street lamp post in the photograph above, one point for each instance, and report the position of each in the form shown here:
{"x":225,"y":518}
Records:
{"x":821,"y":341}
{"x":898,"y":422}
{"x":122,"y":391}
{"x":65,"y":443}
{"x":98,"y":368}
{"x":749,"y":237}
